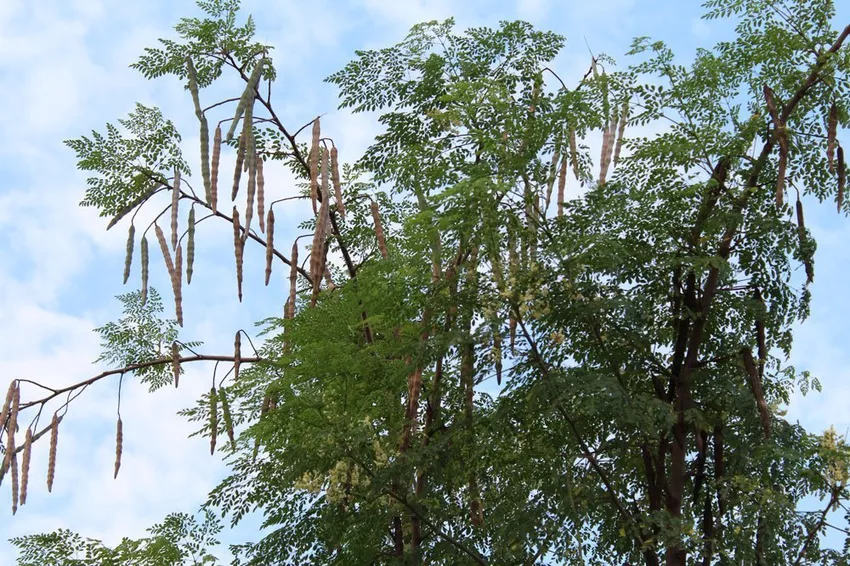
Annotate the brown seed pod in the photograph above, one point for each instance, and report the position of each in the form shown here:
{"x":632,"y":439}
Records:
{"x":261,"y":196}
{"x":269,"y":245}
{"x":190,"y":247}
{"x":831,"y":127}
{"x":25,"y":466}
{"x":607,"y":148}
{"x":175,"y":200}
{"x":340,"y":205}
{"x":213,"y":419}
{"x":802,"y":237}
{"x":237,"y":354}
{"x":237,"y":172}
{"x":783,"y":165}
{"x":760,"y":334}
{"x":379,"y":229}
{"x":228,"y":421}
{"x":562,"y":185}
{"x":51,"y":458}
{"x":237,"y":248}
{"x":842,"y":177}
{"x":119,"y":446}
{"x":14,"y":469}
{"x":314,"y":164}
{"x":175,"y":363}
{"x":7,"y":404}
{"x":128,"y":256}
{"x":574,"y":152}
{"x":12,"y":423}
{"x":216,"y":159}
{"x":497,"y":354}
{"x":758,"y":393}
{"x":293,"y":281}
{"x":621,"y":129}
{"x":144,"y":270}
{"x":177,"y":283}
{"x":164,"y":247}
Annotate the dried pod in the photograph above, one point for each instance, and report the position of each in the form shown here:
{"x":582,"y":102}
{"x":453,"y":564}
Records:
{"x":318,"y":249}
{"x":314,"y":164}
{"x":119,"y":446}
{"x":621,"y":129}
{"x":760,"y":333}
{"x":261,"y":196}
{"x":216,"y":160}
{"x":379,"y":229}
{"x":842,"y":177}
{"x":7,"y":404}
{"x":758,"y":393}
{"x":213,"y":419}
{"x":175,"y":200}
{"x":803,"y":239}
{"x":237,"y":172}
{"x":831,"y":127}
{"x":237,"y":248}
{"x":177,"y":285}
{"x":190,"y":247}
{"x":51,"y":458}
{"x":175,"y":363}
{"x":25,"y":466}
{"x":497,"y":355}
{"x":293,"y":281}
{"x":164,"y":247}
{"x":128,"y":256}
{"x":269,"y":245}
{"x":607,"y":148}
{"x":783,"y":166}
{"x":144,"y":270}
{"x":340,"y":205}
{"x":14,"y":469}
{"x":574,"y":152}
{"x":237,"y":354}
{"x":12,"y":423}
{"x":562,"y":185}
{"x":228,"y":421}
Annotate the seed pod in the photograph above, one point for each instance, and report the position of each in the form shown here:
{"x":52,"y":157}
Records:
{"x":247,"y":98}
{"x":205,"y":158}
{"x":379,"y":229}
{"x":237,"y":354}
{"x":136,"y":202}
{"x":842,"y":172}
{"x":758,"y":393}
{"x":193,"y":86}
{"x":12,"y":424}
{"x":252,"y":189}
{"x":783,"y":165}
{"x":216,"y":159}
{"x":190,"y":247}
{"x":802,"y":237}
{"x":177,"y":285}
{"x":574,"y":152}
{"x":14,"y":469}
{"x":164,"y":247}
{"x":119,"y":445}
{"x":213,"y":419}
{"x":340,"y":205}
{"x":497,"y":355}
{"x":237,"y":248}
{"x":261,"y":195}
{"x":621,"y":129}
{"x":607,"y":146}
{"x":7,"y":404}
{"x":552,"y":176}
{"x":175,"y":200}
{"x":314,"y":164}
{"x":128,"y":257}
{"x":228,"y":421}
{"x":237,"y":172}
{"x":562,"y":185}
{"x":269,"y":245}
{"x":144,"y":270}
{"x":175,"y":363}
{"x":25,"y":466}
{"x":318,"y":249}
{"x":760,"y":334}
{"x":293,"y":280}
{"x":831,"y":126}
{"x":51,"y":458}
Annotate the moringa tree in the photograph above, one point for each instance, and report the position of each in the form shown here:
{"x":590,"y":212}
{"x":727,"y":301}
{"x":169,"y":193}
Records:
{"x":472,"y":367}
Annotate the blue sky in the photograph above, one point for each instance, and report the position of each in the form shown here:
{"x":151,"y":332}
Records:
{"x":64,"y":71}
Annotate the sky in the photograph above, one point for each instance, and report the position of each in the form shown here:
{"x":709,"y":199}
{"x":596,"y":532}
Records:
{"x":64,"y":71}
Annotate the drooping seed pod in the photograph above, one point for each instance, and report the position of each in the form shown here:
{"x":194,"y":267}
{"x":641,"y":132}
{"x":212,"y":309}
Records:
{"x":782,"y":167}
{"x":497,"y":354}
{"x":193,"y":86}
{"x":574,"y":152}
{"x":379,"y":229}
{"x":761,"y":340}
{"x":842,"y":177}
{"x":803,"y":239}
{"x":293,"y":281}
{"x":621,"y":129}
{"x":758,"y":392}
{"x":7,"y":404}
{"x":14,"y":470}
{"x":175,"y":200}
{"x":51,"y":457}
{"x":237,"y":172}
{"x":205,"y":159}
{"x":128,"y":255}
{"x":269,"y":245}
{"x":228,"y":421}
{"x":213,"y":419}
{"x":831,"y":127}
{"x":144,"y":270}
{"x":607,"y":149}
{"x":237,"y":354}
{"x":247,"y":98}
{"x":318,"y":249}
{"x":216,"y":160}
{"x":177,"y":283}
{"x":562,"y":185}
{"x":190,"y":247}
{"x":552,"y":176}
{"x":237,"y":249}
{"x":119,"y":446}
{"x":25,"y":465}
{"x":261,"y":195}
{"x":340,"y":205}
{"x":251,"y":189}
{"x":164,"y":247}
{"x":314,"y":164}
{"x":175,"y":363}
{"x":12,"y":423}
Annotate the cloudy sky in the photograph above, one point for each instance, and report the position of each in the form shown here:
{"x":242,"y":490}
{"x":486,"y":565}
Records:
{"x":64,"y":71}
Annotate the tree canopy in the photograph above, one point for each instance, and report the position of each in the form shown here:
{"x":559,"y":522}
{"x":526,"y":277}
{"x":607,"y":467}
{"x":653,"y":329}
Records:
{"x":474,"y":367}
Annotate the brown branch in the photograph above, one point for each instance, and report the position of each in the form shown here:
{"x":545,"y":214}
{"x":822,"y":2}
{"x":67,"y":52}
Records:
{"x":810,"y":537}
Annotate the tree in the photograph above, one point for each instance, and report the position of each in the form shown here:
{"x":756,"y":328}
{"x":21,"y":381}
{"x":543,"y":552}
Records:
{"x":639,"y":330}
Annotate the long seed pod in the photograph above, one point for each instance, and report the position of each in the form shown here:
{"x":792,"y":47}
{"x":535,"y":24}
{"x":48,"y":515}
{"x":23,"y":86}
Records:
{"x":237,"y":172}
{"x":136,"y":202}
{"x":216,"y":160}
{"x":252,"y":187}
{"x":497,"y":354}
{"x":14,"y":469}
{"x":831,"y":127}
{"x":621,"y":129}
{"x":7,"y":404}
{"x":293,"y":280}
{"x":379,"y":229}
{"x":261,"y":195}
{"x":269,"y":245}
{"x":237,"y":354}
{"x":228,"y":420}
{"x":25,"y":466}
{"x":12,"y":423}
{"x":128,"y":256}
{"x":314,"y":164}
{"x":782,"y":139}
{"x":760,"y":333}
{"x":607,"y":146}
{"x":144,"y":270}
{"x":164,"y":247}
{"x":190,"y":247}
{"x":213,"y":419}
{"x":247,"y":98}
{"x":175,"y":363}
{"x":758,"y":393}
{"x":205,"y":159}
{"x":803,"y":239}
{"x":119,"y":446}
{"x":177,"y":283}
{"x":318,"y":249}
{"x":562,"y":185}
{"x":553,"y":175}
{"x":842,"y":177}
{"x":51,"y":457}
{"x":237,"y":250}
{"x":175,"y":200}
{"x":340,"y":205}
